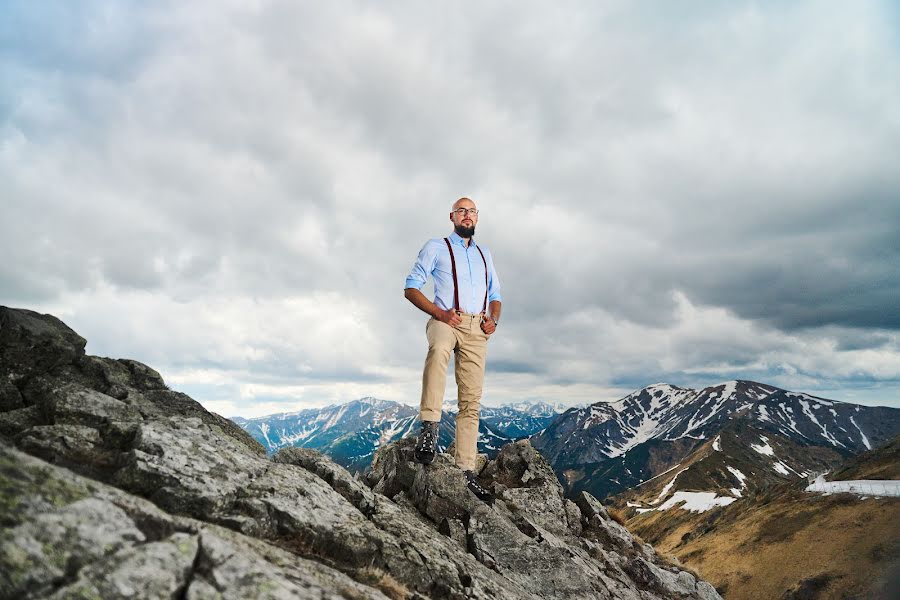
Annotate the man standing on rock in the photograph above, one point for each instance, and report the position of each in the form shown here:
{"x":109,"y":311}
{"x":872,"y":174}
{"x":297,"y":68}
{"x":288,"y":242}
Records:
{"x":464,"y":314}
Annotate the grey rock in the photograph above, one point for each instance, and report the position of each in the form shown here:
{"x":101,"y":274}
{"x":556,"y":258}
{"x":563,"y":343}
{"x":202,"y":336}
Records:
{"x":597,"y":524}
{"x":531,"y":534}
{"x":455,"y":530}
{"x":34,"y":343}
{"x":352,"y":489}
{"x":573,"y":518}
{"x":142,"y":377}
{"x":531,"y":486}
{"x":45,"y":548}
{"x":108,"y":375}
{"x":10,"y":397}
{"x":16,"y":421}
{"x":67,"y":536}
{"x":63,"y":444}
{"x":153,"y":570}
{"x":590,"y":507}
{"x":155,"y":404}
{"x":434,"y":564}
{"x":75,"y":404}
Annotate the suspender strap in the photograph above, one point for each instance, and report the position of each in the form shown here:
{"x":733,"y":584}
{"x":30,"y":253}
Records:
{"x":484,"y":308}
{"x":453,"y":268}
{"x":456,"y":284}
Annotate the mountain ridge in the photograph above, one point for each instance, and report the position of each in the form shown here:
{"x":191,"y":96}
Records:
{"x":350,"y":432}
{"x":606,"y":448}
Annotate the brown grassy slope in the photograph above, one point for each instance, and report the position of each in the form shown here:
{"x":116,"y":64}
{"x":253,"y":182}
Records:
{"x":762,"y":550}
{"x":880,"y":463}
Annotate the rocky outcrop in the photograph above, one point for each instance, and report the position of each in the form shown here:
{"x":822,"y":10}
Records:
{"x":68,"y":536}
{"x":132,"y":489}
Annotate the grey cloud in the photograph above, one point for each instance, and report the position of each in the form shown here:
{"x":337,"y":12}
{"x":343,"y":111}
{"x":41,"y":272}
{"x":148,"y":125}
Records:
{"x":620,"y":158}
{"x":511,"y":366}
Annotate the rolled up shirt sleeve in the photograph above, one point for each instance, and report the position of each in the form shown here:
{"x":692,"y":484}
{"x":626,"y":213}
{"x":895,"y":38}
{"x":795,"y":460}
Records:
{"x":423,"y":266}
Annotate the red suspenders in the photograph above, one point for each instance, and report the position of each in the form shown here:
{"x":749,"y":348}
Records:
{"x":456,"y":285}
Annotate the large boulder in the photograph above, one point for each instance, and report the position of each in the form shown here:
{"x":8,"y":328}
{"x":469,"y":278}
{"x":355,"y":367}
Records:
{"x":34,"y":343}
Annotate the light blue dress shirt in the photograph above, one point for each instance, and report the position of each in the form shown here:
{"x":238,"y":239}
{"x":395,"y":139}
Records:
{"x":434,"y":260}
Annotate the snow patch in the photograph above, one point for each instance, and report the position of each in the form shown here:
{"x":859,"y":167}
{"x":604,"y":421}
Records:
{"x":264,"y":427}
{"x":765,"y":448}
{"x":730,"y":389}
{"x":717,"y":444}
{"x":861,"y":487}
{"x":663,"y":473}
{"x":738,"y":492}
{"x":740,"y":476}
{"x":865,"y":440}
{"x":780,"y":467}
{"x":668,"y":486}
{"x":813,"y":418}
{"x":696,"y":501}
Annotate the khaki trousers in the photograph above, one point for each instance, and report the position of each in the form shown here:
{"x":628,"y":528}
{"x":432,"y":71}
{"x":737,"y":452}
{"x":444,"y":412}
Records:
{"x":469,"y":343}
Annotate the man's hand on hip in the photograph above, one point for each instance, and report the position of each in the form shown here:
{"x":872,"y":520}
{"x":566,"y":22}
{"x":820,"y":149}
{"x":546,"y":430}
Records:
{"x":449,"y":317}
{"x":488,"y":326}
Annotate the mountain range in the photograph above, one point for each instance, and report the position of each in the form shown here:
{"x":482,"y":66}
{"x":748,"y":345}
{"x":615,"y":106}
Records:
{"x":607,"y":448}
{"x":350,"y":433}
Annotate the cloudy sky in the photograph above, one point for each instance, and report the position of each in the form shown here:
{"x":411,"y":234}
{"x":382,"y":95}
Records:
{"x":234,"y":192}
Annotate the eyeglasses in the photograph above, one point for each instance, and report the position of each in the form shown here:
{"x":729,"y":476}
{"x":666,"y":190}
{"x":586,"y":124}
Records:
{"x":461,"y":212}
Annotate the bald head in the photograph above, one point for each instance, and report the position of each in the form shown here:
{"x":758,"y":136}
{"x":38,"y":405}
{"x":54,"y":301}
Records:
{"x":463,"y":203}
{"x":464,"y":221}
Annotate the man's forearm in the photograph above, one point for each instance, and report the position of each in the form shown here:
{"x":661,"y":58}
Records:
{"x":421,"y":302}
{"x":494,"y":310}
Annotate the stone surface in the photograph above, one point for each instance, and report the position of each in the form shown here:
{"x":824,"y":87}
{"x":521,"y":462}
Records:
{"x":34,"y":343}
{"x":10,"y":397}
{"x":532,"y":535}
{"x":352,"y":489}
{"x":135,"y":490}
{"x":66,"y":536}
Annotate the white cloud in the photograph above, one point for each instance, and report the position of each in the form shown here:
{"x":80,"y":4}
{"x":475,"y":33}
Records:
{"x":233,"y":193}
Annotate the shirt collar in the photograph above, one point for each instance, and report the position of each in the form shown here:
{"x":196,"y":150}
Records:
{"x":456,"y":239}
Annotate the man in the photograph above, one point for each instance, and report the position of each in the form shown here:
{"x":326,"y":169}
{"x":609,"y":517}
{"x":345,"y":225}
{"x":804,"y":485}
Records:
{"x":464,"y":314}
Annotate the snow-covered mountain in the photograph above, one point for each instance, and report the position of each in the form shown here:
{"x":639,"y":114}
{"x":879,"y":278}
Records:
{"x":522,"y":419}
{"x":609,"y":447}
{"x":351,"y":432}
{"x":741,"y":460}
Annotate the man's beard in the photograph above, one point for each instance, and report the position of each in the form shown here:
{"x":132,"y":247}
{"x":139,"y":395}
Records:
{"x":463,"y":231}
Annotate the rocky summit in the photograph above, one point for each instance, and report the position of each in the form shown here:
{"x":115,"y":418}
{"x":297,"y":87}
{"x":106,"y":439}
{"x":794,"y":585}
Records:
{"x":114,"y":486}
